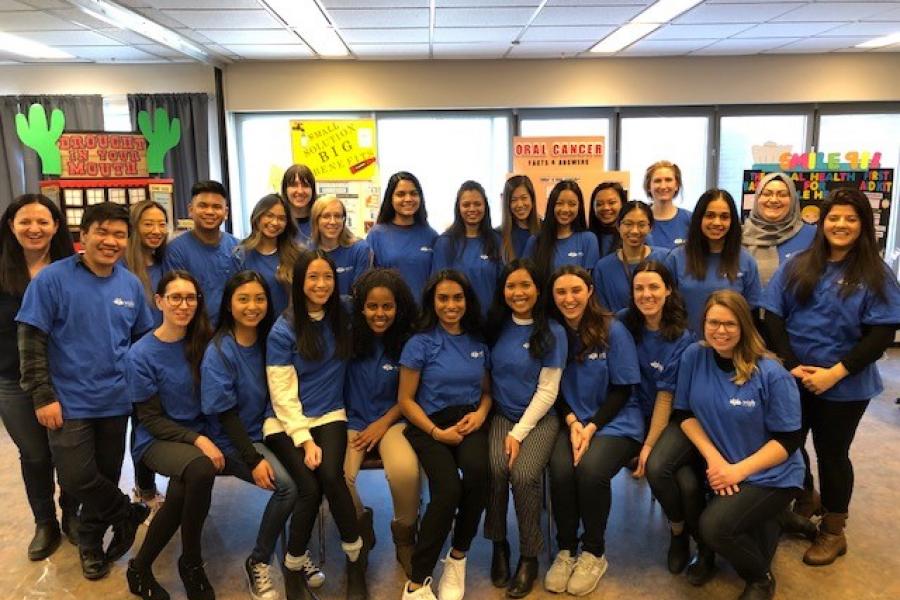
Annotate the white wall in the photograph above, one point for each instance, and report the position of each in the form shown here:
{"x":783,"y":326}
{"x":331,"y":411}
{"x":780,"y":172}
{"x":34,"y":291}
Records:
{"x":105,"y":79}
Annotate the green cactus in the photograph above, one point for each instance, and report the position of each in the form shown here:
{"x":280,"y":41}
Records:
{"x":35,"y":134}
{"x":161,"y":137}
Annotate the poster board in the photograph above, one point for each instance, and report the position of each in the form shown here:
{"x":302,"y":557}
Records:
{"x":548,"y":160}
{"x":342,"y":150}
{"x":97,"y":154}
{"x":814,"y":186}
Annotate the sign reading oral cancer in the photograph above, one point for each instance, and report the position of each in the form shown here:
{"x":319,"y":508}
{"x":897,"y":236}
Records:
{"x":103,"y":155}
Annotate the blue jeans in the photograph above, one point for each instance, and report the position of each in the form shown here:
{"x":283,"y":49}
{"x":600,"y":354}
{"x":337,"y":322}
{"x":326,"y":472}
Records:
{"x":88,"y":455}
{"x":30,"y":438}
{"x":280,"y":505}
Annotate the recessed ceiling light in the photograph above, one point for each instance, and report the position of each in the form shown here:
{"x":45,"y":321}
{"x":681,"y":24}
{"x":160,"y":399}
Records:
{"x":25,"y":47}
{"x":881,"y":42}
{"x":664,"y":11}
{"x":649,"y":20}
{"x":307,"y":19}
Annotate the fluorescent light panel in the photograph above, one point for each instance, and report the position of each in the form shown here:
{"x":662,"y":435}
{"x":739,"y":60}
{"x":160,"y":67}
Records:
{"x":649,"y":20}
{"x":122,"y":18}
{"x":307,"y":19}
{"x":881,"y":42}
{"x":29,"y":48}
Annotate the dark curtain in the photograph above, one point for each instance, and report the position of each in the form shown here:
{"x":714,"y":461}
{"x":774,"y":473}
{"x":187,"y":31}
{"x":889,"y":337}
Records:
{"x":20,"y":167}
{"x":188,"y":162}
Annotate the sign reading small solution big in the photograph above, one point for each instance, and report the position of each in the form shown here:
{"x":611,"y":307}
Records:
{"x":336,"y":150}
{"x":91,"y":155}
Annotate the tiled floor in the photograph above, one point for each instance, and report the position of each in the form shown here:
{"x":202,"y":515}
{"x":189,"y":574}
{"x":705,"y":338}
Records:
{"x":636,"y":539}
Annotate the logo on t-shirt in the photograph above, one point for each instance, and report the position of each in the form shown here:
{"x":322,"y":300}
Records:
{"x":742,"y":403}
{"x":484,"y":257}
{"x":657,"y":365}
{"x":119,"y":301}
{"x":477,"y":354}
{"x":388,"y":367}
{"x":526,"y":345}
{"x":425,"y":249}
{"x":344,"y":269}
{"x":678,"y":241}
{"x":596,"y":356}
{"x":574,"y":254}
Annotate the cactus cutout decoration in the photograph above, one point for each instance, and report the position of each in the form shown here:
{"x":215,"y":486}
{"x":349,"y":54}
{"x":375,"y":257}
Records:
{"x":37,"y":135}
{"x":161,"y":137}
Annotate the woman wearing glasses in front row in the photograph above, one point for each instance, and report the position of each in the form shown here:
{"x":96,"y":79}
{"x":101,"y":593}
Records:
{"x":163,"y":378}
{"x":741,"y":411}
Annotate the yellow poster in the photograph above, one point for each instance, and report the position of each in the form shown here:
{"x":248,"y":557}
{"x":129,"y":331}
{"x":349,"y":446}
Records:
{"x":336,"y":150}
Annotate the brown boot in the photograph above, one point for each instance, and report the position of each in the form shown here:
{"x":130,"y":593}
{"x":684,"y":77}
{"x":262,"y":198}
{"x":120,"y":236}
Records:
{"x":808,"y":504}
{"x":830,"y":543}
{"x":405,"y":543}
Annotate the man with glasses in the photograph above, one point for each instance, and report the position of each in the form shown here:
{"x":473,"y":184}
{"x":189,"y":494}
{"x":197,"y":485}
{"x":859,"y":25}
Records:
{"x":206,"y":252}
{"x":77,"y":320}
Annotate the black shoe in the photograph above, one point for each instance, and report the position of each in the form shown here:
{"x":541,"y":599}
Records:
{"x":125,"y":530}
{"x":702,"y":567}
{"x":144,"y":584}
{"x":356,"y":577}
{"x":295,"y":586}
{"x":367,"y":527}
{"x":70,"y":525}
{"x":522,"y":582}
{"x":762,"y":589}
{"x":196,"y":585}
{"x":679,"y":552}
{"x":500,"y":564}
{"x":93,"y":563}
{"x":794,"y":524}
{"x":45,"y":541}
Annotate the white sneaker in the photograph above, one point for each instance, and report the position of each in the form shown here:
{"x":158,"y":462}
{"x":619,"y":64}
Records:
{"x":452,"y":585}
{"x":557,"y":577}
{"x":259,"y":580}
{"x":423,"y":593}
{"x":587,"y":573}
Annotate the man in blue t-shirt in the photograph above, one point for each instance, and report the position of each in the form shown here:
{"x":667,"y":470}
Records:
{"x":206,"y":252}
{"x":77,"y":320}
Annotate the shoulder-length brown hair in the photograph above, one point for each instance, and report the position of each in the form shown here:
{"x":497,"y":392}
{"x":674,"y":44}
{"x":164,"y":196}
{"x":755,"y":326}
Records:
{"x":593,"y":330}
{"x":750,"y":347}
{"x":287,"y":249}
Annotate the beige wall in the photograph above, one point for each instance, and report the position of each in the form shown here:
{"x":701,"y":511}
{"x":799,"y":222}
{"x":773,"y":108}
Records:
{"x":105,"y":79}
{"x":369,"y":85}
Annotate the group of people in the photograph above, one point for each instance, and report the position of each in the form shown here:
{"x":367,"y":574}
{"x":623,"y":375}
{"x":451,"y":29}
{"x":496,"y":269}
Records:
{"x":691,"y":349}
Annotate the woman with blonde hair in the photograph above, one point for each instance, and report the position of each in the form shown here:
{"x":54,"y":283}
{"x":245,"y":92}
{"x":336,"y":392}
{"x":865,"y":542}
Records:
{"x":662,"y":183}
{"x":330,"y":233}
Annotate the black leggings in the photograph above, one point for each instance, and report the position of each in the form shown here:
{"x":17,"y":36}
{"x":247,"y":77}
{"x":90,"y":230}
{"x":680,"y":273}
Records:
{"x":328,"y":478}
{"x":744,"y":529}
{"x":676,"y":474}
{"x":186,"y":506}
{"x":833,"y":424}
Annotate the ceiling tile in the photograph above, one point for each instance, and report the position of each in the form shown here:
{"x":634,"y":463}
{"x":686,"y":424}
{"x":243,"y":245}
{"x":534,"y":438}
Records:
{"x":160,"y":17}
{"x":69,"y":38}
{"x":199,"y":4}
{"x":275,"y":51}
{"x":735,"y":13}
{"x":159,"y":50}
{"x":225,"y":19}
{"x":663,"y":47}
{"x":697,"y":32}
{"x":476,"y":34}
{"x":390,"y":51}
{"x":866,"y":29}
{"x":482,"y":17}
{"x":469,"y":50}
{"x":588,"y":15}
{"x":108,"y":53}
{"x":734,"y":46}
{"x":45,"y":4}
{"x":555,"y":3}
{"x":35,"y":21}
{"x":837,"y":11}
{"x":820,"y":44}
{"x":891,"y":15}
{"x":380,"y":36}
{"x":369,"y":18}
{"x":250,"y":36}
{"x":567,"y":34}
{"x":126,"y":36}
{"x":13,"y":5}
{"x":549,"y":49}
{"x":344,"y":4}
{"x":776,"y":30}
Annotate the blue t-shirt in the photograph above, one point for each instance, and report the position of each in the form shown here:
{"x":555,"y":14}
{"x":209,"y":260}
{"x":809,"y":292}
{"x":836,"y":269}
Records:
{"x":265,"y":265}
{"x":408,"y":249}
{"x":658,"y":359}
{"x":371,"y":387}
{"x":90,"y":322}
{"x":612,"y":279}
{"x":672,"y":233}
{"x":451,"y":368}
{"x":304,"y":232}
{"x":471,"y":260}
{"x":580,"y":249}
{"x":350,"y":262}
{"x":212,"y":266}
{"x":232,"y":376}
{"x":321,"y":382}
{"x":514,"y":372}
{"x":798,"y":243}
{"x":696,"y":292}
{"x":829,"y":325}
{"x":740,"y":420}
{"x":585,"y":384}
{"x":155,"y":272}
{"x":606,"y":242}
{"x":519,"y":237}
{"x":157,"y":368}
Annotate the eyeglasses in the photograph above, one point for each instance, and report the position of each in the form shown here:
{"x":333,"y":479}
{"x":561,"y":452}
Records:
{"x":714,"y":324}
{"x":176,"y":299}
{"x":778,"y":194}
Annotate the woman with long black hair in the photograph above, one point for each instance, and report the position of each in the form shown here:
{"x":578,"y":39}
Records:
{"x":520,"y":219}
{"x":831,"y":311}
{"x":564,"y":238}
